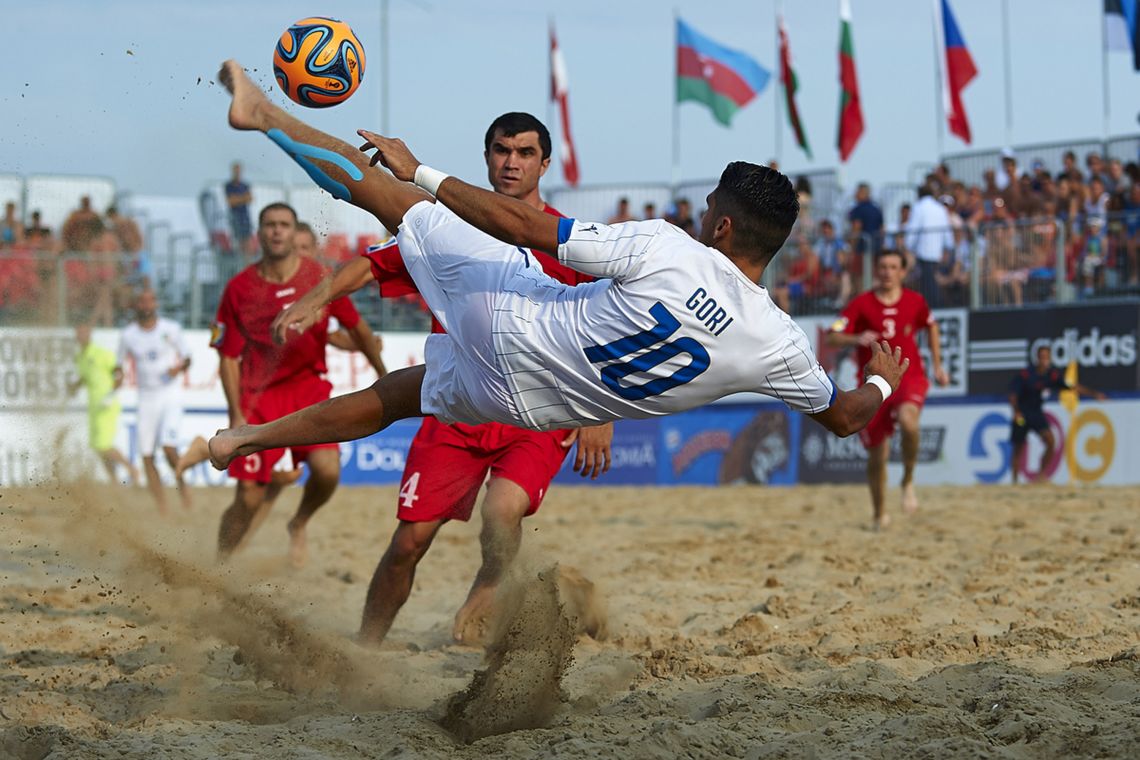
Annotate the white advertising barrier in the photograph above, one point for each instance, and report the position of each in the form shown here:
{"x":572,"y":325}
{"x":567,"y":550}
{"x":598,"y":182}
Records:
{"x":971,"y":444}
{"x":45,"y":429}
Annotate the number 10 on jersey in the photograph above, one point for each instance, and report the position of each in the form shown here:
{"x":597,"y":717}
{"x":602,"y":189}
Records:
{"x":663,"y":350}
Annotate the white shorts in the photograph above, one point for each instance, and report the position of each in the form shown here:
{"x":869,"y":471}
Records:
{"x":460,"y":272}
{"x":159,"y":422}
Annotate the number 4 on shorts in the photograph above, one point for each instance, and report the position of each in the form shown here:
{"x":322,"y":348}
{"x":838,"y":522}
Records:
{"x":408,"y":491}
{"x":667,"y":324}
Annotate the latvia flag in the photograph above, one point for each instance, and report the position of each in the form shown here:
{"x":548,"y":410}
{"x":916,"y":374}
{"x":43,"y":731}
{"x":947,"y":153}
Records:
{"x":559,"y":93}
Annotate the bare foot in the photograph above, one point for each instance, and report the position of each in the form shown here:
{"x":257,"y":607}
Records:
{"x":197,"y":451}
{"x":136,"y":478}
{"x":248,"y":99}
{"x":472,"y":622}
{"x":882,"y":522}
{"x":909,"y":499}
{"x":298,"y":545}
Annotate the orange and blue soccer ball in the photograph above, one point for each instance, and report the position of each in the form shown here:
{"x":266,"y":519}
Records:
{"x":319,"y":62}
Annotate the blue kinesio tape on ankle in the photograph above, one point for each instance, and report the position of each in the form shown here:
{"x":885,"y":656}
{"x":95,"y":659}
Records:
{"x":301,"y":153}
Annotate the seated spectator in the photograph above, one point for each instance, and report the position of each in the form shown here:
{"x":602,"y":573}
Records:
{"x":833,"y":255}
{"x":802,"y":283}
{"x":11,"y":229}
{"x":37,"y":235}
{"x":1096,"y":202}
{"x":953,"y":275}
{"x":1006,"y":272}
{"x":1070,"y":170}
{"x":622,"y":214}
{"x":649,"y":211}
{"x":1095,"y":164}
{"x":1009,"y":173}
{"x":682,"y":216}
{"x":1114,"y":181}
{"x":1130,"y":234}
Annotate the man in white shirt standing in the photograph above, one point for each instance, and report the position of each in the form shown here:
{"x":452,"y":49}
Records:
{"x":928,"y":237}
{"x":160,"y":354}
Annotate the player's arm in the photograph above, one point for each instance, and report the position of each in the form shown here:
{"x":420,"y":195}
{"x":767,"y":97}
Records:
{"x":301,"y":315}
{"x":500,"y":216}
{"x":843,"y":335}
{"x":852,"y":410}
{"x":229,"y":372}
{"x":1084,"y":390}
{"x":183,"y":354}
{"x":935,"y":336}
{"x":361,"y":338}
{"x":1014,"y":395}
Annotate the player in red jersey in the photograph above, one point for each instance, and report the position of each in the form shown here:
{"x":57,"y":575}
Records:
{"x":264,"y":380}
{"x":447,"y":464}
{"x":895,"y":314}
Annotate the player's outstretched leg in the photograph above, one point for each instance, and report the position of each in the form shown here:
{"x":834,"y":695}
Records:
{"x":335,"y":165}
{"x":908,"y":422}
{"x":198,"y":451}
{"x":395,"y":396}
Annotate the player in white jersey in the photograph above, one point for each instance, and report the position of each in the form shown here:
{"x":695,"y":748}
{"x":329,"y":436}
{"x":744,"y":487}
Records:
{"x":160,"y":355}
{"x":678,"y":324}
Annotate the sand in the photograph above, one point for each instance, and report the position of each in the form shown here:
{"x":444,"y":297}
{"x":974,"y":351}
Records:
{"x":741,"y":622}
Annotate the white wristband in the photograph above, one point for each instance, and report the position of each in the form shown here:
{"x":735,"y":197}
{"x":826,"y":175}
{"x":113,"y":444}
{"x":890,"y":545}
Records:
{"x":881,"y":384}
{"x":428,"y":178}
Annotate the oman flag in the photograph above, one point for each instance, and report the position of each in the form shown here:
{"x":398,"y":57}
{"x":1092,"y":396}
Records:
{"x":957,"y":68}
{"x":850,"y":112}
{"x":723,"y":79}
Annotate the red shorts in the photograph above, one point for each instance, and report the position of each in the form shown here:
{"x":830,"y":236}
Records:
{"x":447,"y":464}
{"x":912,"y":390}
{"x":271,"y":404}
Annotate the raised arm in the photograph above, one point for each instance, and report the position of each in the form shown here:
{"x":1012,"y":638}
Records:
{"x":500,"y":216}
{"x":852,"y":410}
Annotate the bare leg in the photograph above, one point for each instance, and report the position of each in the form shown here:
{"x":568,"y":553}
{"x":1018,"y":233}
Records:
{"x":392,"y":582}
{"x":198,"y":451}
{"x":1046,"y":455}
{"x":112,"y":457}
{"x":347,"y":176}
{"x":908,"y":422}
{"x":344,"y":418}
{"x":877,"y":480}
{"x":324,"y":474}
{"x":238,"y":518}
{"x":1018,"y":457}
{"x":183,"y":492}
{"x":154,"y":484}
{"x":503,"y":509}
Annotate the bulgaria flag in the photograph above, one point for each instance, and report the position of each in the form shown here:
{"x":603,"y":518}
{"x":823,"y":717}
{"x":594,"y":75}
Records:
{"x":559,"y":93}
{"x":791,"y":85}
{"x":957,"y":69}
{"x":723,"y":79}
{"x":850,"y":112}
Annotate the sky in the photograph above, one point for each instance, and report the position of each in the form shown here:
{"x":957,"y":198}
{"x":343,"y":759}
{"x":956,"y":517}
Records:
{"x":111,"y":87}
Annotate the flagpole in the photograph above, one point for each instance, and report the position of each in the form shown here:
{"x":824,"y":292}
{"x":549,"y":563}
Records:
{"x":675,"y":176}
{"x":1104,"y":73}
{"x":939,"y":84}
{"x":550,"y":73}
{"x":1008,"y":73}
{"x":779,"y":124}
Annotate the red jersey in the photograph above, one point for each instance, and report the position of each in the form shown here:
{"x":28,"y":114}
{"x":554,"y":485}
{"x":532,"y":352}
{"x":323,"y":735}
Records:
{"x":249,"y":306}
{"x":394,"y":281}
{"x":896,"y":324}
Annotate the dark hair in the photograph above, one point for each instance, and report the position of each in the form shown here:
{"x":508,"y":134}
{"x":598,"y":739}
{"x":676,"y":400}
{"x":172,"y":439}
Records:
{"x":278,"y":206}
{"x":761,"y":203}
{"x":305,"y":227}
{"x":515,"y":123}
{"x":891,"y":252}
{"x":924,"y":190}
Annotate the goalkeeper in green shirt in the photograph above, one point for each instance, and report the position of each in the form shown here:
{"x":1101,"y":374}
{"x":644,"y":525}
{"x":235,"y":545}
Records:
{"x":97,"y":372}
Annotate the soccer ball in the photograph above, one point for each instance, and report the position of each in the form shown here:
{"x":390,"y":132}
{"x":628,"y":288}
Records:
{"x":319,"y":62}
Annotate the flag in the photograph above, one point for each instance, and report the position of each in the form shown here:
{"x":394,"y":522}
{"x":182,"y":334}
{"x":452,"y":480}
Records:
{"x":791,"y":85}
{"x":559,"y":93}
{"x":723,"y":79}
{"x":1121,"y":29}
{"x":850,"y":112}
{"x":957,"y":69}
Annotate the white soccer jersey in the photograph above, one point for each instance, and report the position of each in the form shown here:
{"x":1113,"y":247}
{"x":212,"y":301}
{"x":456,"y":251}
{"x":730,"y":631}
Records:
{"x":675,"y":326}
{"x":155,"y":352}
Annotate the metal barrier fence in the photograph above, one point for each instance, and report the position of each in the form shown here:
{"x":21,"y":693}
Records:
{"x":971,"y":167}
